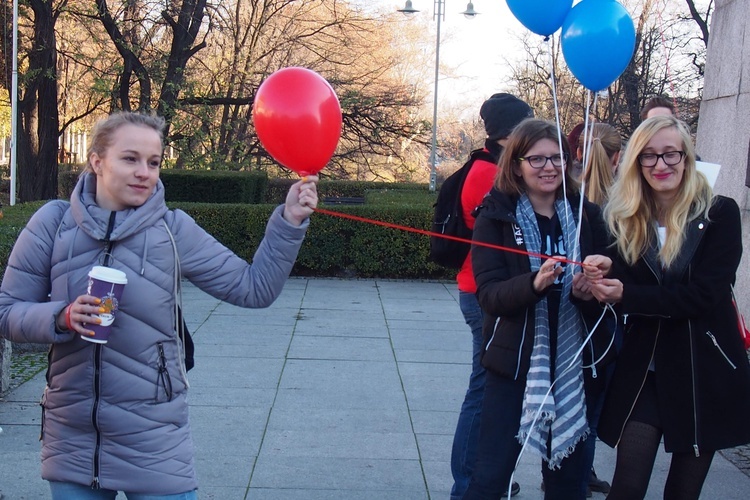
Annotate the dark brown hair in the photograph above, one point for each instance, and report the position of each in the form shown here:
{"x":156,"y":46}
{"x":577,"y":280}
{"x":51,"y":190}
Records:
{"x":522,"y":139}
{"x":657,"y":102}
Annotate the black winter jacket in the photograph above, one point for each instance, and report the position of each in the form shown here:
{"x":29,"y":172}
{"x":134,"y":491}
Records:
{"x":683,"y":319}
{"x":505,"y":287}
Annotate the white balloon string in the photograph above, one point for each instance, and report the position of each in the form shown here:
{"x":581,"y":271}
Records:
{"x":576,"y":249}
{"x":608,"y":307}
{"x":588,"y":138}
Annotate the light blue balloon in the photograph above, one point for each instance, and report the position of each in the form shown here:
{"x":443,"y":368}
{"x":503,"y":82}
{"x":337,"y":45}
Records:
{"x":543,"y":17}
{"x":598,"y":40}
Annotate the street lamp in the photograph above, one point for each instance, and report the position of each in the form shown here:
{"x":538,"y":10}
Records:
{"x":439,"y":14}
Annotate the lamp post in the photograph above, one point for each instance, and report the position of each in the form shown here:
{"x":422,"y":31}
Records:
{"x":439,"y":14}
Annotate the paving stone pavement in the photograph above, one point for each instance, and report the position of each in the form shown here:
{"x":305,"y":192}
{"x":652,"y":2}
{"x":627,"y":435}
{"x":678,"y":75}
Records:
{"x":343,"y":389}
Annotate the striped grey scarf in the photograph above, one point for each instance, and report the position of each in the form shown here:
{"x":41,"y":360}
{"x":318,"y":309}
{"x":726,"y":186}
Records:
{"x":562,"y":414}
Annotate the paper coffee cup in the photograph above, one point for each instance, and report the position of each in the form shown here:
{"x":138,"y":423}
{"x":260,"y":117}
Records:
{"x":107,"y":285}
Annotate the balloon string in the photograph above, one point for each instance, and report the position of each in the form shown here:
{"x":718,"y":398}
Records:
{"x":444,"y":236}
{"x":550,"y":49}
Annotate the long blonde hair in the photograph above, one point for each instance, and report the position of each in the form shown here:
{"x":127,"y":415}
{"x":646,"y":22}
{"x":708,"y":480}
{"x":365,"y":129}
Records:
{"x":631,"y":213}
{"x":599,"y":172}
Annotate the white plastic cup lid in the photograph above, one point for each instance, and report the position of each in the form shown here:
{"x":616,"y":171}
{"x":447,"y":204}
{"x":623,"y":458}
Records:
{"x":109,"y":275}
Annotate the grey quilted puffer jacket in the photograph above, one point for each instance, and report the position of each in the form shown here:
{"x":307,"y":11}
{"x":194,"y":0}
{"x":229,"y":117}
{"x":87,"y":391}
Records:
{"x":116,"y":415}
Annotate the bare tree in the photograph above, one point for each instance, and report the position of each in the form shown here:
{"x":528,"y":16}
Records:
{"x":353,"y":51}
{"x":666,"y":61}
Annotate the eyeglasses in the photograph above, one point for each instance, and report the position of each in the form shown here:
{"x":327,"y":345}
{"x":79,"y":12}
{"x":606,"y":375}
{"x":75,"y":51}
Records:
{"x":539,"y":161}
{"x":670,"y":158}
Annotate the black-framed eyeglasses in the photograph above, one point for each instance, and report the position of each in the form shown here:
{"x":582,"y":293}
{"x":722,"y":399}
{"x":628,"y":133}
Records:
{"x":670,"y":158}
{"x":539,"y":161}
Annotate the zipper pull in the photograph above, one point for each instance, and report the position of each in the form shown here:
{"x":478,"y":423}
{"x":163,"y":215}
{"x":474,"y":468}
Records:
{"x":593,"y":359}
{"x":95,"y":484}
{"x":713,"y":339}
{"x":697,"y":452}
{"x":625,"y":319}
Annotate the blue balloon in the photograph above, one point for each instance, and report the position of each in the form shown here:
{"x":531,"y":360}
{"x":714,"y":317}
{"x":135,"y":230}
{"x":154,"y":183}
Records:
{"x":598,"y":40}
{"x":543,"y":17}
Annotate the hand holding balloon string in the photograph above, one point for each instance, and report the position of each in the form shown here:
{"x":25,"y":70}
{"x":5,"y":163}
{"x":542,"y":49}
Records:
{"x":301,"y":200}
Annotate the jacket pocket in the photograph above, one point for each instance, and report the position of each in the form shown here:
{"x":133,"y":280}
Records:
{"x":503,"y":353}
{"x":42,"y":404}
{"x":163,"y":378}
{"x":720,"y":350}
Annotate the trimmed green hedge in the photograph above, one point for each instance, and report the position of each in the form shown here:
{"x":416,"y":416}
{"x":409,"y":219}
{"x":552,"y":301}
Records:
{"x":214,"y":186}
{"x":277,"y":188}
{"x":206,"y":186}
{"x":333,"y":247}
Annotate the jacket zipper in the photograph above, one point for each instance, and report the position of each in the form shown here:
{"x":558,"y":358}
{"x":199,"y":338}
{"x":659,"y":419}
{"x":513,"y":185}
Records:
{"x":630,"y":412}
{"x":695,"y":403}
{"x":520,"y":347}
{"x":163,"y":374}
{"x":716,"y":343}
{"x":593,"y":358}
{"x":95,"y":413}
{"x":98,"y":365}
{"x":651,"y":359}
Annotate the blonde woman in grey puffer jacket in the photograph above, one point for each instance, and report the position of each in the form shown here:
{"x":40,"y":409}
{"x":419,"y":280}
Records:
{"x":115,"y":414}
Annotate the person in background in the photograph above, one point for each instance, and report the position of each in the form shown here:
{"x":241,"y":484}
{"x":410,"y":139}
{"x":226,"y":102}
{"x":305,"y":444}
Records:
{"x":657,"y":106}
{"x":682,"y":375}
{"x":533,"y":327}
{"x":603,"y":158}
{"x":115,"y":415}
{"x":599,"y":175}
{"x":574,"y":140}
{"x":500,"y":114}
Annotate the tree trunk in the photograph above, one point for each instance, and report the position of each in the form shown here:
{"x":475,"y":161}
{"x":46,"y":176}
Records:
{"x":38,"y":117}
{"x":184,"y":32}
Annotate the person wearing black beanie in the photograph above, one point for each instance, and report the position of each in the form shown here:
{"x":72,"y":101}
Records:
{"x":500,"y":113}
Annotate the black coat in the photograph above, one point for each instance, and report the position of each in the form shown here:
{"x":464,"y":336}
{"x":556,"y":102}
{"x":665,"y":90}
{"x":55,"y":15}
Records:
{"x":683,"y":318}
{"x":505,"y":286}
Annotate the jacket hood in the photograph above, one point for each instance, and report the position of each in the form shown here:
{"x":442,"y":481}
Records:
{"x":94,"y":220}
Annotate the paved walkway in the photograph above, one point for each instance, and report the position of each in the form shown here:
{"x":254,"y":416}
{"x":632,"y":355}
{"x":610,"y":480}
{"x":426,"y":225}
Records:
{"x":343,"y":389}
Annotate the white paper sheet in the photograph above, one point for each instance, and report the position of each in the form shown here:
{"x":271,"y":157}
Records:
{"x":710,"y":170}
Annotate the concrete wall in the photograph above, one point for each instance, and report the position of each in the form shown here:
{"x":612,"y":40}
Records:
{"x":724,"y":126}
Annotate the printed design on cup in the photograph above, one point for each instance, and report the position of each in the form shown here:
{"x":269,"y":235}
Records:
{"x":109,"y":304}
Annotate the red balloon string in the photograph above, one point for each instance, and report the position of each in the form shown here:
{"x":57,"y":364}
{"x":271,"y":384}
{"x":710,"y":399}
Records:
{"x":439,"y":235}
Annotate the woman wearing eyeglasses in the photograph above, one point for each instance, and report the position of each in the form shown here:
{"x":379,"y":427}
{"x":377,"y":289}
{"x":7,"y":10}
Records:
{"x":682,"y":373}
{"x":533,"y":330}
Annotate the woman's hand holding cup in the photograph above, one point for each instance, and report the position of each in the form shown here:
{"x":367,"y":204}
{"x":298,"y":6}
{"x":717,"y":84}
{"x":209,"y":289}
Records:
{"x":79,"y":313}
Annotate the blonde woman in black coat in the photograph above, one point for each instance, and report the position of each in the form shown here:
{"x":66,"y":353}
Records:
{"x":682,"y":373}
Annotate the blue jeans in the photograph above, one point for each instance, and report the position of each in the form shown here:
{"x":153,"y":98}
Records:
{"x":466,"y":438}
{"x":498,"y":448}
{"x":69,"y":491}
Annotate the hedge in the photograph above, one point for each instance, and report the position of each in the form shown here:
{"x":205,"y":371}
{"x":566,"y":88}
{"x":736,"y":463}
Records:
{"x":195,"y":185}
{"x":333,"y":247}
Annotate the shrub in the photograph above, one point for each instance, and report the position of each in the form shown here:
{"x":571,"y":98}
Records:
{"x":334,"y":246}
{"x":214,"y":186}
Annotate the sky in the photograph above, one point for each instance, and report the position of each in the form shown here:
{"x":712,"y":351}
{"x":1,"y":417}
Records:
{"x":476,"y":49}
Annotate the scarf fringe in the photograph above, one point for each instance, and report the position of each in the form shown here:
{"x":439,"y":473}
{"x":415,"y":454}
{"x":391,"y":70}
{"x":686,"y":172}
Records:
{"x":555,"y":462}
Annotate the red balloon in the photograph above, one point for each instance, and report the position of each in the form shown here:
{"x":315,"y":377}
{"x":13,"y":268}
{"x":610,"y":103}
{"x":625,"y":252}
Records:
{"x":297,"y":118}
